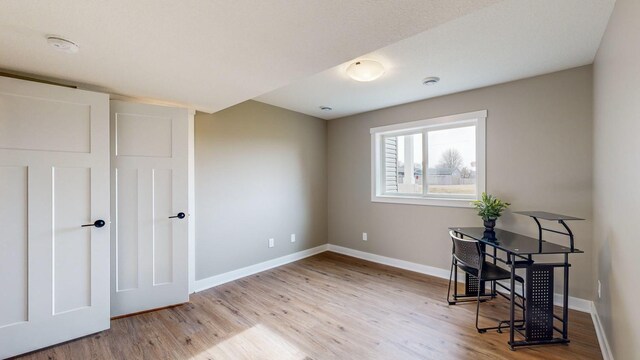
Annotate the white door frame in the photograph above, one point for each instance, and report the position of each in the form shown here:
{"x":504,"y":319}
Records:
{"x":192,"y":202}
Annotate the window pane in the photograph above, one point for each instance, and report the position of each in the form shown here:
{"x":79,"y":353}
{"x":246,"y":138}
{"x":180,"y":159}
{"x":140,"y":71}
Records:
{"x":452,"y":161}
{"x":403,"y":164}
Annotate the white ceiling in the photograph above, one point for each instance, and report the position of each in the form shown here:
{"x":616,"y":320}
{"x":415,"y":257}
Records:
{"x":510,"y":40}
{"x":206,"y":54}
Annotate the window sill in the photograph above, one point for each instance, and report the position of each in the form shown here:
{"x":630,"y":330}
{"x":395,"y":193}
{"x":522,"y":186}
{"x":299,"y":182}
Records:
{"x":424,"y":201}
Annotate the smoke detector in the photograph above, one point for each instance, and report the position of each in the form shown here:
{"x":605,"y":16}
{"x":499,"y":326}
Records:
{"x":431,"y":80}
{"x":62,"y":44}
{"x":326,"y":108}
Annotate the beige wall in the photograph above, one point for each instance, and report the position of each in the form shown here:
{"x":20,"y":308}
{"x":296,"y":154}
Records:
{"x":616,"y":174}
{"x":539,"y":157}
{"x":260,"y":174}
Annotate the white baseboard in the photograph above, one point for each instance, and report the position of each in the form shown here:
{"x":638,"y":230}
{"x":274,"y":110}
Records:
{"x":574,"y":302}
{"x":206,"y":283}
{"x":402,"y":264}
{"x":602,"y":337}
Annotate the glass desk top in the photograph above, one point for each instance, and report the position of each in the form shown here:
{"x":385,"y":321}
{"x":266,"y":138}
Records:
{"x":512,"y":242}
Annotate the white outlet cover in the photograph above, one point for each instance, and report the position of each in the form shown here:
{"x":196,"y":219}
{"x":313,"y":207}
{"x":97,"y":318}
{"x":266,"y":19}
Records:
{"x":272,"y":242}
{"x":364,"y":236}
{"x":293,"y":237}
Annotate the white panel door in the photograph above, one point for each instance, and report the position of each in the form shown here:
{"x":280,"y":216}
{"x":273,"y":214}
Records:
{"x":54,"y":178}
{"x":149,"y":207}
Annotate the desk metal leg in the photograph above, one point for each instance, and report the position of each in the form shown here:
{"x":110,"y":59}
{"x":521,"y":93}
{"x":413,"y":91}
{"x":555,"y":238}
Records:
{"x":512,"y":261}
{"x":565,"y":299}
{"x":495,"y":262}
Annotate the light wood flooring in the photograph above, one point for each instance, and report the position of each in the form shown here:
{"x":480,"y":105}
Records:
{"x":328,"y":306}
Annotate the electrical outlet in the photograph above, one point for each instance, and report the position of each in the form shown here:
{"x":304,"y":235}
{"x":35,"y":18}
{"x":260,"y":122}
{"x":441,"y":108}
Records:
{"x":599,"y":289}
{"x":364,"y":236}
{"x":272,"y":242}
{"x":293,"y":237}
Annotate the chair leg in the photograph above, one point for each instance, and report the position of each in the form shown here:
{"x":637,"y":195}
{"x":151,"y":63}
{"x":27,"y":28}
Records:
{"x":449,"y":287}
{"x":478,"y":304}
{"x":523,"y":302}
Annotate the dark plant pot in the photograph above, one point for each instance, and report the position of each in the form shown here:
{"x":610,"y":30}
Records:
{"x":489,"y":235}
{"x":489,"y":224}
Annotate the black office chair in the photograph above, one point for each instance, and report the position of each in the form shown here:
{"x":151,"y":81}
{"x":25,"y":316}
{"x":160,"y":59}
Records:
{"x":467,"y":255}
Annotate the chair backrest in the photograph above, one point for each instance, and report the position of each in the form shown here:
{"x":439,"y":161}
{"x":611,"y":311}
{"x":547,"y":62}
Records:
{"x":466,"y":251}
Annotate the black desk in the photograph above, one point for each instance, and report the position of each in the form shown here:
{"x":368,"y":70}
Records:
{"x":520,"y":250}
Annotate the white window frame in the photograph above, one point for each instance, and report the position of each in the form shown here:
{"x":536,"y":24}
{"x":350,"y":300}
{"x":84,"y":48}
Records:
{"x":477,"y":118}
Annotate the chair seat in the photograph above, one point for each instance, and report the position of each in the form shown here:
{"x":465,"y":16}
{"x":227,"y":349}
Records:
{"x":490,"y":272}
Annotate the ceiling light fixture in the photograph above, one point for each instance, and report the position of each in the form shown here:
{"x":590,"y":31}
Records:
{"x":365,"y":70}
{"x":62,"y":44}
{"x":326,"y":108}
{"x":431,"y":80}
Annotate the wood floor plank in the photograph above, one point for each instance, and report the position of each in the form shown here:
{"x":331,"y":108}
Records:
{"x":328,"y":306}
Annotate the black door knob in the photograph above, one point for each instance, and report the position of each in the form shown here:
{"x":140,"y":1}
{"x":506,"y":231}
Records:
{"x":97,"y":223}
{"x":180,"y":215}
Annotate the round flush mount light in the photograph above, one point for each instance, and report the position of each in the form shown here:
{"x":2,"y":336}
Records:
{"x":431,"y":80}
{"x":62,"y":44}
{"x":365,"y":70}
{"x":326,"y":108}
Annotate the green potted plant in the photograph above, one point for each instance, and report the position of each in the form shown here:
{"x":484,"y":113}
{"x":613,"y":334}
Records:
{"x":489,"y":209}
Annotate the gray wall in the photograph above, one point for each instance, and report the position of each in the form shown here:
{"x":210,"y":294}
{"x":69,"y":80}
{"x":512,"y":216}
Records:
{"x":539,"y":157}
{"x":260,"y":174}
{"x":616,"y":174}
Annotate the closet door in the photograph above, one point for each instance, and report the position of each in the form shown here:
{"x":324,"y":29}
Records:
{"x":149,"y":207}
{"x":54,"y":180}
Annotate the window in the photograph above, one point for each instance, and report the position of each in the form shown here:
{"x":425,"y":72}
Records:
{"x":430,"y":162}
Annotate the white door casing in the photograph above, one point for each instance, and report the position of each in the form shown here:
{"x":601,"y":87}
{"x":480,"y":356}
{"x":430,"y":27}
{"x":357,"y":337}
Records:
{"x":149,"y":162}
{"x":54,"y":178}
